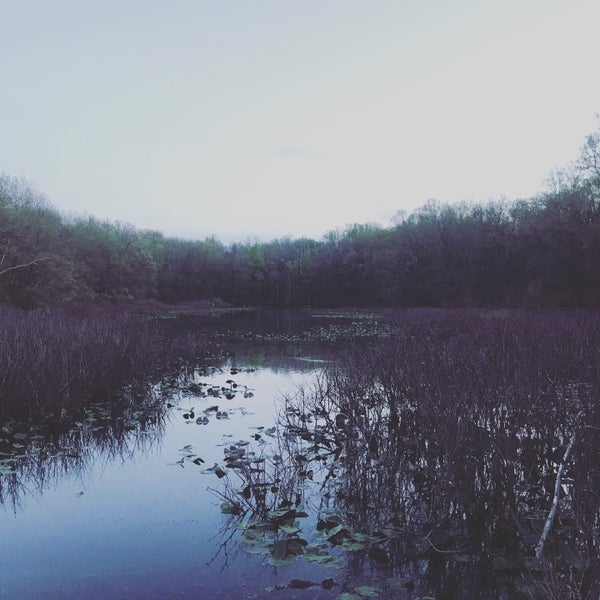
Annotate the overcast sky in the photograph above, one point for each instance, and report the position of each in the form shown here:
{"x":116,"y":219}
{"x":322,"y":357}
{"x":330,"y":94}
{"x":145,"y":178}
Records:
{"x":266,"y":118}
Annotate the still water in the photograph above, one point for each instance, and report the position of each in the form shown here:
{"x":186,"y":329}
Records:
{"x":144,"y":523}
{"x":212,"y":486}
{"x":137,"y":515}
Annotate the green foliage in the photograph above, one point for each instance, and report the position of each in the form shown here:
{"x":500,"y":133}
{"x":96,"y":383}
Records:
{"x":540,"y":252}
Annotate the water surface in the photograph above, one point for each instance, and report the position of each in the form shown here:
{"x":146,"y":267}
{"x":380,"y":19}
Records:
{"x":143,"y":522}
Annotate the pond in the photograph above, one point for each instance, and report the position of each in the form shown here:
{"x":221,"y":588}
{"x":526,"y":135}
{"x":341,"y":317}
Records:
{"x":135,"y":511}
{"x":423,"y":465}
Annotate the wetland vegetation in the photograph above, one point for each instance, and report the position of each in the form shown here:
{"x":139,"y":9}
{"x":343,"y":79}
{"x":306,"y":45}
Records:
{"x":437,"y":454}
{"x":449,"y":450}
{"x":421,"y":458}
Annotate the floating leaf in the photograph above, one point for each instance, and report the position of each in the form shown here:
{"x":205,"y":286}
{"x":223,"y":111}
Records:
{"x":216,"y":469}
{"x":283,"y":515}
{"x":327,"y":584}
{"x":361,"y":537}
{"x":230,"y":508}
{"x":254,"y":548}
{"x":289,"y":529}
{"x":337,"y":535}
{"x":317,"y":554}
{"x":301,"y":584}
{"x":367,"y":590}
{"x":350,"y":546}
{"x":284,"y":551}
{"x":281,"y":562}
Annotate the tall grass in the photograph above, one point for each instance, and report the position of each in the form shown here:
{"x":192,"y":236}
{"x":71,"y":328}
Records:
{"x":55,"y":361}
{"x":453,"y":433}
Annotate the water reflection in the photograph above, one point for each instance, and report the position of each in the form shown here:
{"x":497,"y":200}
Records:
{"x":439,"y":482}
{"x":34,"y":457}
{"x":128,"y":499}
{"x":405,"y":479}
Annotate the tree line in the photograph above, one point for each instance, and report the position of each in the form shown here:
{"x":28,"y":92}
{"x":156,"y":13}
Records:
{"x":544,"y":251}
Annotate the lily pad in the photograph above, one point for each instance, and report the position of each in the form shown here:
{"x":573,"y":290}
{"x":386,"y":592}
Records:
{"x":367,"y":590}
{"x":317,"y":554}
{"x":216,"y":469}
{"x":301,"y":584}
{"x":230,"y":508}
{"x":281,"y":562}
{"x":290,"y":530}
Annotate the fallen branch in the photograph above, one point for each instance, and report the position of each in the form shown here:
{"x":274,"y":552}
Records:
{"x":539,"y":549}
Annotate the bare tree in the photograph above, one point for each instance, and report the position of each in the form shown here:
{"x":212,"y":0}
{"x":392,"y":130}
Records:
{"x":589,"y":158}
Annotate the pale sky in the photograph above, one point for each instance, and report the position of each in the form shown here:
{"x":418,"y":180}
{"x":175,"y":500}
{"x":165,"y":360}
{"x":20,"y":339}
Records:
{"x":266,"y":118}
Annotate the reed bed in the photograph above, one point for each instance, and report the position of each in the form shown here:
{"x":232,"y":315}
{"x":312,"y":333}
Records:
{"x":456,"y":438}
{"x":55,"y":360}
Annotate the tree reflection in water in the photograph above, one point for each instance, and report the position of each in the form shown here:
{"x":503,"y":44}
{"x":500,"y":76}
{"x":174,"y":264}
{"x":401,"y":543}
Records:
{"x":33,"y":457}
{"x":423,"y":464}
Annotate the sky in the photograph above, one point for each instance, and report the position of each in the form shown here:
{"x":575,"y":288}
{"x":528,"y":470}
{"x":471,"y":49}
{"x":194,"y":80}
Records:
{"x":259,"y":119}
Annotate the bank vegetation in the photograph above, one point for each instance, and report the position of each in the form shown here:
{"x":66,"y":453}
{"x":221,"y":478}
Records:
{"x":542,"y":251}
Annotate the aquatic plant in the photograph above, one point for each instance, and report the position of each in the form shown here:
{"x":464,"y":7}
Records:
{"x":56,"y":361}
{"x":439,"y":453}
{"x":33,"y":456}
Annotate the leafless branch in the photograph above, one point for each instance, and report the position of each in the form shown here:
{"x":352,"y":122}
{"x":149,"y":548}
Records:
{"x":31,"y":262}
{"x":539,"y":549}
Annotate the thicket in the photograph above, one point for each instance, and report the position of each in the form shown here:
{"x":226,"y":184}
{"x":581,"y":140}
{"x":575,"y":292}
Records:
{"x":450,"y":443}
{"x":541,"y":252}
{"x":56,"y":361}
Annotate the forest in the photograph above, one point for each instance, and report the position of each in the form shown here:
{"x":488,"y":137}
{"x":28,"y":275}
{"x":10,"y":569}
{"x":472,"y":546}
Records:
{"x":538,"y":252}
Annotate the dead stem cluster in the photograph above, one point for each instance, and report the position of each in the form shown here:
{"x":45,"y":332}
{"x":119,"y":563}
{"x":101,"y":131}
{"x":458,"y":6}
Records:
{"x":57,"y":361}
{"x":452,"y":436}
